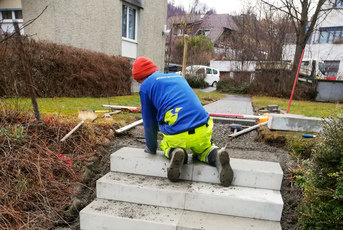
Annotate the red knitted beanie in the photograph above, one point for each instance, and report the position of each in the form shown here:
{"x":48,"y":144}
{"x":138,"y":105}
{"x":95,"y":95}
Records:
{"x":142,"y":68}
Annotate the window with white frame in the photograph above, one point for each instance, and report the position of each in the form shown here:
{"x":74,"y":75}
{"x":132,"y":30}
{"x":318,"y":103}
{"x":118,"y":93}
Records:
{"x":129,"y":22}
{"x":11,"y":14}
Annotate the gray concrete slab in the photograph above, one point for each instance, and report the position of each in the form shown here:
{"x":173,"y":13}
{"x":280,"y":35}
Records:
{"x":248,"y":173}
{"x":105,"y":214}
{"x":232,"y":104}
{"x":297,"y":123}
{"x":194,"y":196}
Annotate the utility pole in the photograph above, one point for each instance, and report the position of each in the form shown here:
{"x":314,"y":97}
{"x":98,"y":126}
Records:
{"x":26,"y":70}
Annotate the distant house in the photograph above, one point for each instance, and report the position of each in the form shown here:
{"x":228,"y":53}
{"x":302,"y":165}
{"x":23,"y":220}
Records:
{"x":217,"y":27}
{"x":129,"y":28}
{"x":324,"y":51}
{"x":10,"y":10}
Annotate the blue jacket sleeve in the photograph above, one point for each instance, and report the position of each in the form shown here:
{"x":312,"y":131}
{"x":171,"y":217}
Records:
{"x":149,"y":122}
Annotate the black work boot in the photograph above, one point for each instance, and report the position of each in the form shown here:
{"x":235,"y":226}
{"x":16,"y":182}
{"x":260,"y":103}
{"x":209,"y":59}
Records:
{"x":221,"y":159}
{"x":177,"y":159}
{"x":224,"y":167}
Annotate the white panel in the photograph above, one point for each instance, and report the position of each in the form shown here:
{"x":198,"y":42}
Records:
{"x":128,"y":49}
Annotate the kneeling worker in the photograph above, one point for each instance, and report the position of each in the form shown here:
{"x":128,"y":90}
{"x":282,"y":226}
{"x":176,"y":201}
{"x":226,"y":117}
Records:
{"x":170,"y":105}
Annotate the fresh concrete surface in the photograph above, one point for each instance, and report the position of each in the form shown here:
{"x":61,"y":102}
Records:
{"x":231,"y":104}
{"x":291,"y":122}
{"x":104,"y":214}
{"x":209,"y":198}
{"x":247,"y":173}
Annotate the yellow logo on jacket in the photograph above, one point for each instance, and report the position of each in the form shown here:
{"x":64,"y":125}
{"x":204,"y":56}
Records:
{"x":171,"y":116}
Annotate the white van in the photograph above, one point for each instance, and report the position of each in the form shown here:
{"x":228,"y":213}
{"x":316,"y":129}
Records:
{"x":212,"y":75}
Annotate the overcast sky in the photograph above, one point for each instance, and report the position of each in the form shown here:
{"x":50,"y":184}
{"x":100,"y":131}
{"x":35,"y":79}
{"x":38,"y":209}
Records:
{"x":221,"y":6}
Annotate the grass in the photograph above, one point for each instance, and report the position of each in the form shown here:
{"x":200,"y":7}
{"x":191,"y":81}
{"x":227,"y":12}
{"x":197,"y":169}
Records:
{"x":70,"y":107}
{"x":306,"y":108}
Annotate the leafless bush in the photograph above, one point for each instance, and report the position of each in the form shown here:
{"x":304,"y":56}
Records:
{"x":279,"y":83}
{"x":38,"y":173}
{"x":62,"y":71}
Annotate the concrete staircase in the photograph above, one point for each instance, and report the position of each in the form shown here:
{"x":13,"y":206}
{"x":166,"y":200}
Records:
{"x":137,"y":195}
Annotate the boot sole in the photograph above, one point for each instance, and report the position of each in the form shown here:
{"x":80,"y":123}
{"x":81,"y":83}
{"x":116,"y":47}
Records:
{"x":226,"y":173}
{"x":176,"y":163}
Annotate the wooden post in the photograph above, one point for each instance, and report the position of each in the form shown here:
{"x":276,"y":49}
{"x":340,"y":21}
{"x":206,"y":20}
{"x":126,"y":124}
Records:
{"x":26,"y":70}
{"x":184,"y":61}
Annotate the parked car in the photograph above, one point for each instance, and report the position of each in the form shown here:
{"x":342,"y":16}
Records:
{"x":212,"y":75}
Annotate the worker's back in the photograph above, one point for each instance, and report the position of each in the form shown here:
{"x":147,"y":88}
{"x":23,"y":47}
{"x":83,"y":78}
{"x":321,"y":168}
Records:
{"x":175,"y":105}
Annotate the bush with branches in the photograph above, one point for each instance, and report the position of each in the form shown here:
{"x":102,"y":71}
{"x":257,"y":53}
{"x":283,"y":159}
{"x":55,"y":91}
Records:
{"x":41,"y":177}
{"x":62,"y":71}
{"x":322,"y":206}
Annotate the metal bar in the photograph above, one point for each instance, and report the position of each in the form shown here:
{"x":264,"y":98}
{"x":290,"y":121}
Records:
{"x":248,"y":129}
{"x":130,"y":126}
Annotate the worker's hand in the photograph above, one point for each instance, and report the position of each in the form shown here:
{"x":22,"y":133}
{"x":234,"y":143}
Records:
{"x":147,"y":150}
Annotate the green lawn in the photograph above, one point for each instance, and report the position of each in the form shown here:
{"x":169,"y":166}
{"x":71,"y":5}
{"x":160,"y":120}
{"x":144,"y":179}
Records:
{"x":69,"y":107}
{"x":307,"y":108}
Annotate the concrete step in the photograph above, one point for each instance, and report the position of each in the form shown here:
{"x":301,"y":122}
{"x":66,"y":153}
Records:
{"x":247,"y":173}
{"x":105,"y":214}
{"x":296,"y":123}
{"x":195,"y":196}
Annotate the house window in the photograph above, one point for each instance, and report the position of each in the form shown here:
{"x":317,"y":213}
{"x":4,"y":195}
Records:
{"x":6,"y":15}
{"x":339,"y":4}
{"x":11,"y":14}
{"x":204,"y":32}
{"x":330,"y":34}
{"x":129,"y":22}
{"x":18,"y":14}
{"x":331,"y":68}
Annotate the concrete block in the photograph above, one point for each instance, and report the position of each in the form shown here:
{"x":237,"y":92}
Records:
{"x":198,"y":220}
{"x":248,"y":173}
{"x":272,"y":107}
{"x":195,"y":196}
{"x":108,"y":215}
{"x":235,"y":201}
{"x":291,"y":122}
{"x":142,"y":189}
{"x":224,"y":120}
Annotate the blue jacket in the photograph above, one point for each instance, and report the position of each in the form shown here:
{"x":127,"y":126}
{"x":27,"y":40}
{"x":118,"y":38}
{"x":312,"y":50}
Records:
{"x":170,"y":105}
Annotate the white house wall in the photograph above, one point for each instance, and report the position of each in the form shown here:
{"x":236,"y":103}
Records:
{"x":324,"y":51}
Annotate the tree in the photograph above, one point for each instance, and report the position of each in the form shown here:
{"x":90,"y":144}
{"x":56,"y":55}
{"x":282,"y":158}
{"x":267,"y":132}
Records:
{"x":299,"y":12}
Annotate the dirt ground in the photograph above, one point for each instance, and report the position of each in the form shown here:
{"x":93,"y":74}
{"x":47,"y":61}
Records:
{"x":244,"y":147}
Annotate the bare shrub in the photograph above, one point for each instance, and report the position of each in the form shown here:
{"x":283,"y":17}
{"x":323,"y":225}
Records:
{"x":38,"y":173}
{"x":279,"y":83}
{"x":63,"y":71}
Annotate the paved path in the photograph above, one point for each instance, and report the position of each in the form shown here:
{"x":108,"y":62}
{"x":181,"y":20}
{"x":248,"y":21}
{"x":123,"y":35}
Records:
{"x":207,"y":90}
{"x":232,"y":104}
